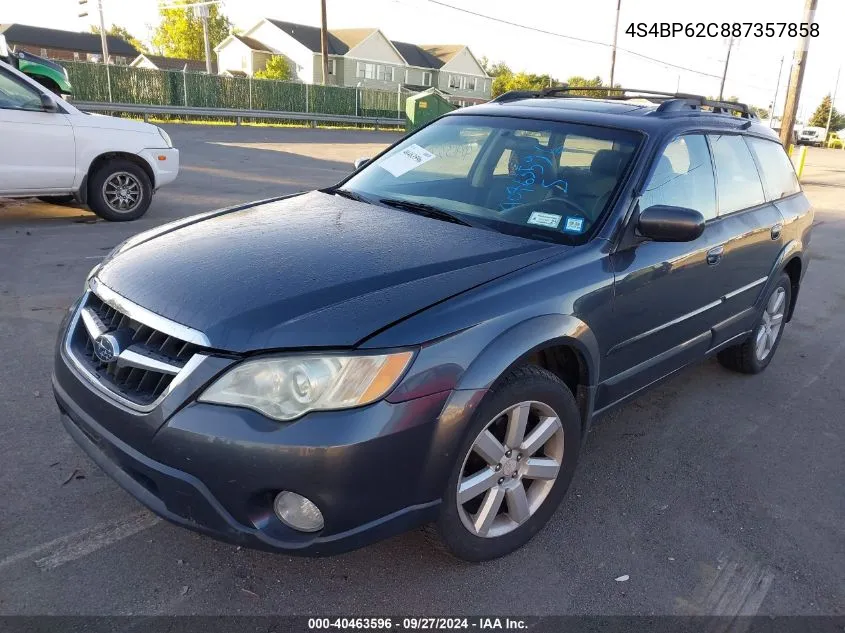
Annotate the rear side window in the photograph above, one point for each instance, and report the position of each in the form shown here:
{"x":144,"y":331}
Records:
{"x":738,"y":183}
{"x":778,"y":174}
{"x":683,"y":177}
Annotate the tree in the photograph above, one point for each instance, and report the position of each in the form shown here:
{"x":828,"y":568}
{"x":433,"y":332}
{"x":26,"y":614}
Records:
{"x":582,"y":82}
{"x":179,"y":34}
{"x":819,"y":118}
{"x":277,"y":67}
{"x":124,"y":34}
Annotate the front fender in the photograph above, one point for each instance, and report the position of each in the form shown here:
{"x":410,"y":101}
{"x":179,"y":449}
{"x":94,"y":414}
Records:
{"x":521,"y":340}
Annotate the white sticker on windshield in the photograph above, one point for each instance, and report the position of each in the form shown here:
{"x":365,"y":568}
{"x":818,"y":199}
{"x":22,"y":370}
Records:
{"x":409,"y":158}
{"x":544,"y":219}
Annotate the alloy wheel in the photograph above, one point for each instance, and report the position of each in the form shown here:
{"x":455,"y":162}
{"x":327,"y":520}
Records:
{"x":767,"y":332}
{"x":122,"y":192}
{"x":510,"y":469}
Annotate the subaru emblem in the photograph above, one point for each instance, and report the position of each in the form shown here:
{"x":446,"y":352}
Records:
{"x":106,"y":348}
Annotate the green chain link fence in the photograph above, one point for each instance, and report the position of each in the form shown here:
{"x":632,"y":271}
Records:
{"x":144,"y":86}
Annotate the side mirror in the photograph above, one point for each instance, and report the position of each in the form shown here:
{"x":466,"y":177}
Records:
{"x":48,"y":104}
{"x":361,"y":162}
{"x":663,"y":223}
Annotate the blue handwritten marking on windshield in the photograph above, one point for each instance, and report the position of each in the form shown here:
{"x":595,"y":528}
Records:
{"x":530,"y":171}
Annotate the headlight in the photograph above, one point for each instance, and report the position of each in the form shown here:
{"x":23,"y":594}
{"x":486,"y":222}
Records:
{"x":166,"y":137}
{"x":284,"y":388}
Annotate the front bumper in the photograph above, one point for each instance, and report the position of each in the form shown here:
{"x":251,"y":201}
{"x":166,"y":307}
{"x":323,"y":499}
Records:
{"x":164,"y":163}
{"x":374,"y":471}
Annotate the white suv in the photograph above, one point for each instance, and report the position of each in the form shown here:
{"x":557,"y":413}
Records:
{"x":58,"y":153}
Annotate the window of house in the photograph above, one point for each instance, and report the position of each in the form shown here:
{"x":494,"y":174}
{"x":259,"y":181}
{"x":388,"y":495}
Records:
{"x":738,"y":183}
{"x":92,"y":57}
{"x":43,"y":52}
{"x":385,"y":73}
{"x":683,"y":177}
{"x":366,"y":71}
{"x":332,"y":66}
{"x":120,"y":60}
{"x":455,"y":82}
{"x":778,"y":172}
{"x":472,"y":83}
{"x":426,"y":78}
{"x":76,"y":56}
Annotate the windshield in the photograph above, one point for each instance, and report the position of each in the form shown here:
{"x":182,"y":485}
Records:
{"x":542,"y":179}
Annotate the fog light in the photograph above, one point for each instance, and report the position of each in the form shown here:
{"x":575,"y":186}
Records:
{"x":298,"y":512}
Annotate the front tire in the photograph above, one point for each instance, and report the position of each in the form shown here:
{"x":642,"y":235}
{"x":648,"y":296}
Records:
{"x":755,"y":354}
{"x":513,"y":468}
{"x":120,"y":191}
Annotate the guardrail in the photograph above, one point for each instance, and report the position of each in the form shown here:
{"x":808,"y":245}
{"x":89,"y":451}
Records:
{"x":313,"y":117}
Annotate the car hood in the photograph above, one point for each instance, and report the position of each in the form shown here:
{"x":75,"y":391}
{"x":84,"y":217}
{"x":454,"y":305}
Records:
{"x":315,"y":270}
{"x":103,"y":122}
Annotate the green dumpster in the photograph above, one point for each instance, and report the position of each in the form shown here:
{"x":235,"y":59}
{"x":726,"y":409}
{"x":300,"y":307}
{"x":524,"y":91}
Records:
{"x":425,"y":106}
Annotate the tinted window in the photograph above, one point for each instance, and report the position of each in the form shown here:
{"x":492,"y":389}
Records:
{"x":683,"y":177}
{"x":17,"y":95}
{"x":738,"y":184}
{"x":778,"y":174}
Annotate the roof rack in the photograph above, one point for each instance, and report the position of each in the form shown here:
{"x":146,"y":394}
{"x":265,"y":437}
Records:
{"x":669,"y":101}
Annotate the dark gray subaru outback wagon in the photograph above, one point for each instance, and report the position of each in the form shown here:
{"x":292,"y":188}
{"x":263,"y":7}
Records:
{"x":428,"y":341}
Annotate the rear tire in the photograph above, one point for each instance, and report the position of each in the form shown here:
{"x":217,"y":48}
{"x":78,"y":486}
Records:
{"x":755,"y":354}
{"x":120,"y":191}
{"x":535,"y":423}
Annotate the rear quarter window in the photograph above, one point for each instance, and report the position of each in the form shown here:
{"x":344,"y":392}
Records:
{"x":779,"y":178}
{"x":738,"y":183}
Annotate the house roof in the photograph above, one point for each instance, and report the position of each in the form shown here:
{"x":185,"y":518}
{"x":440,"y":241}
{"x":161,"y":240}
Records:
{"x":64,"y":40}
{"x":252,"y":43}
{"x":417,"y":56}
{"x":352,"y":37}
{"x":235,"y":73}
{"x":443,"y":52}
{"x":176,"y":63}
{"x":309,"y":37}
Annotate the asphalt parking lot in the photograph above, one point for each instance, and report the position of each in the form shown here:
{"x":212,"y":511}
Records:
{"x":716,"y":493}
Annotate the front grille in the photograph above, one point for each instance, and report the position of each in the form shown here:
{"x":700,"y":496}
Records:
{"x":131,"y":379}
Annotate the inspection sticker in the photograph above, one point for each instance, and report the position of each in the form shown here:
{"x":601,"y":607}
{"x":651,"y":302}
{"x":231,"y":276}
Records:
{"x":544,"y":219}
{"x":573,"y":224}
{"x":409,"y":158}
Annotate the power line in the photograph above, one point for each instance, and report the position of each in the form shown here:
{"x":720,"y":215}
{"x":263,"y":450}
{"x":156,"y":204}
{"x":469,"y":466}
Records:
{"x":571,"y":37}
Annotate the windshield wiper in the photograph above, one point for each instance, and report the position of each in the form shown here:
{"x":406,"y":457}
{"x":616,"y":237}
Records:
{"x":427,"y":210}
{"x":352,"y":195}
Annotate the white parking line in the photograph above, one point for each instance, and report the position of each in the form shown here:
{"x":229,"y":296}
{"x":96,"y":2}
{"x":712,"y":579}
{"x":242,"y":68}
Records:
{"x":79,"y":544}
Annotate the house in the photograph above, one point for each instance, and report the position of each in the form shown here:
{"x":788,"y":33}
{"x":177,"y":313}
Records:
{"x":240,"y":54}
{"x":363,"y":57}
{"x":66,"y":45}
{"x":160,"y":62}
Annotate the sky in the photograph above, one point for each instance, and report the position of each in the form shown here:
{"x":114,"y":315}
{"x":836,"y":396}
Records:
{"x":752,"y":73}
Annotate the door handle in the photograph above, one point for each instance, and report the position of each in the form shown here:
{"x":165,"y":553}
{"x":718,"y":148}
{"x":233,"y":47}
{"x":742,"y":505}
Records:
{"x":714,"y":255}
{"x":776,"y":229}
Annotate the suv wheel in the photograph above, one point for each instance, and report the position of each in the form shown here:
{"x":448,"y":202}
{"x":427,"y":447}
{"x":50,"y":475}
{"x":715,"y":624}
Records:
{"x":120,"y":191}
{"x":755,"y":354}
{"x":514,"y":467}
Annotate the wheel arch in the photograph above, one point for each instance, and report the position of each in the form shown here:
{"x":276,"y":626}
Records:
{"x":105,"y":157}
{"x":562,"y":344}
{"x":792,"y":262}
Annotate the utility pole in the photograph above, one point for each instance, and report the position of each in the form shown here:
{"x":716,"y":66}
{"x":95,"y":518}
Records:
{"x":324,"y":42}
{"x":613,"y":50}
{"x":832,"y":101}
{"x":796,"y":78}
{"x":202,"y":11}
{"x":775,"y":98}
{"x":725,"y":72}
